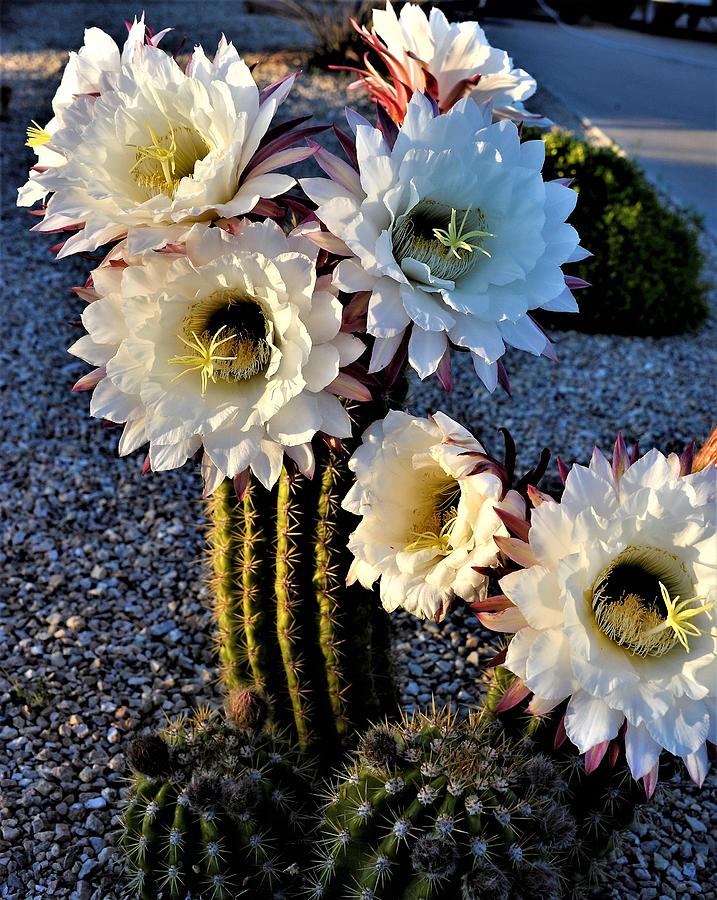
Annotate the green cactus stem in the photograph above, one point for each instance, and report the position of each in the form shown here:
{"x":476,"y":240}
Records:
{"x":603,"y":802}
{"x":437,"y":808}
{"x":288,"y":626}
{"x":216,"y":812}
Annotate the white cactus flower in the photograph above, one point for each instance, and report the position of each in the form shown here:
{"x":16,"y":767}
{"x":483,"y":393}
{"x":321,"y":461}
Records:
{"x":233,"y":349}
{"x":427,"y":519}
{"x":455,"y":234}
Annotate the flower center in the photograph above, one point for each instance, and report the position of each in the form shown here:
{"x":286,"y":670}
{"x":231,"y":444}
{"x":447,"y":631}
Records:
{"x":160,"y":165}
{"x":636,"y":602}
{"x":448,"y":240}
{"x":432,"y":528}
{"x":226,"y":333}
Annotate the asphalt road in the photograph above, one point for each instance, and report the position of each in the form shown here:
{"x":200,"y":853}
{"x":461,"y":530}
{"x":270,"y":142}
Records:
{"x":654,"y":96}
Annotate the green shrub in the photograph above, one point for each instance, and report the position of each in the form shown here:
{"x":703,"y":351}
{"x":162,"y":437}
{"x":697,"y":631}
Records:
{"x":646,"y":271}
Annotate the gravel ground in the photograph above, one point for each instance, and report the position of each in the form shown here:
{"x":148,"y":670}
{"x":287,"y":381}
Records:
{"x":103,"y":625}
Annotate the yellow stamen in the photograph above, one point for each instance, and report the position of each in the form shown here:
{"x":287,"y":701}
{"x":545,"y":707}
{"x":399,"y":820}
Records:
{"x":160,"y":165}
{"x":679,"y":613}
{"x":455,"y":238}
{"x":203,"y":358}
{"x":429,"y":540}
{"x":37,"y":135}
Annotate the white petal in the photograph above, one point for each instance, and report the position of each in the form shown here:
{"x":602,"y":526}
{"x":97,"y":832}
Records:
{"x":425,"y":350}
{"x":590,"y":721}
{"x":642,"y":752}
{"x":384,"y":350}
{"x":548,"y":671}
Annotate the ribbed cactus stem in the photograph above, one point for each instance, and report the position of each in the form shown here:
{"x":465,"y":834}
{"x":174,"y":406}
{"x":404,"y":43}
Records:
{"x":290,"y":623}
{"x":226,"y":553}
{"x":327,"y":583}
{"x":221,"y":812}
{"x":319,"y":652}
{"x":438,"y":808}
{"x":257,"y":617}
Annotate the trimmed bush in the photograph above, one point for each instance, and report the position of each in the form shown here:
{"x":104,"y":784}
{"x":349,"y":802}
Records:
{"x":646,"y":271}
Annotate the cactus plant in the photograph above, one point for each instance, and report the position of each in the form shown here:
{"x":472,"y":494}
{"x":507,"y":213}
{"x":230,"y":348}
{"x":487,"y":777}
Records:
{"x":217,"y":810}
{"x":288,"y":625}
{"x":600,"y":793}
{"x":434,"y":807}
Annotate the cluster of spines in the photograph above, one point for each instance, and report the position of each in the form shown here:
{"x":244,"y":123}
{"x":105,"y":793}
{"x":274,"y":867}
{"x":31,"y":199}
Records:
{"x":217,"y":810}
{"x":603,"y":802}
{"x":437,"y":808}
{"x":287,"y":624}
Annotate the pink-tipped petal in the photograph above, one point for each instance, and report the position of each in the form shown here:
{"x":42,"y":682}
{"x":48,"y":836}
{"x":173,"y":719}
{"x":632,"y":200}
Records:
{"x":562,"y":470}
{"x":561,"y":734}
{"x":348,"y":386}
{"x":443,"y":372}
{"x":697,"y":764}
{"x":147,"y":466}
{"x":241,"y":483}
{"x":337,"y":170}
{"x":549,"y":352}
{"x":288,"y":157}
{"x":594,"y":756}
{"x":516,"y":550}
{"x":491,"y":604}
{"x":508,"y":622}
{"x":573,"y":283}
{"x":540,"y":706}
{"x":355,"y":312}
{"x":90,"y":380}
{"x":87,"y":294}
{"x":649,"y":781}
{"x":620,"y":458}
{"x":519,"y":527}
{"x":687,"y":459}
{"x":537,"y":497}
{"x":498,"y":659}
{"x":516,"y":693}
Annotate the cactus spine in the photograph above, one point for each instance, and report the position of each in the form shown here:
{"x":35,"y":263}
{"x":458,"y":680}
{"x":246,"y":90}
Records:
{"x":216,"y":811}
{"x":437,"y":808}
{"x":288,"y":625}
{"x":603,"y":802}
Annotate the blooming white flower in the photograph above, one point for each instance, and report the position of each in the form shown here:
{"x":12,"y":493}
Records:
{"x":427,"y":518}
{"x":455,"y":233}
{"x":89,"y":71}
{"x":161,"y":146}
{"x":431,"y":54}
{"x":234,"y":348}
{"x":616,"y":605}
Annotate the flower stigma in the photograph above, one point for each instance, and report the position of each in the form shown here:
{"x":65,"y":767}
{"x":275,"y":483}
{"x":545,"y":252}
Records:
{"x":160,"y":165}
{"x":636,"y":602}
{"x":203,"y":359}
{"x":679,"y":614}
{"x":232,"y":321}
{"x":430,"y":234}
{"x":37,"y":135}
{"x":434,"y":530}
{"x":456,"y":238}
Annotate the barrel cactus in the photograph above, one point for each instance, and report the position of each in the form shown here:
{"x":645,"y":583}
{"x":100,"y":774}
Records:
{"x":288,"y":626}
{"x":217,"y":809}
{"x":434,"y":807}
{"x":600,"y":792}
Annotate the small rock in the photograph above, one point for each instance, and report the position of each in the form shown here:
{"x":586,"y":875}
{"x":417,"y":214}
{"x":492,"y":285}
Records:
{"x":696,"y":824}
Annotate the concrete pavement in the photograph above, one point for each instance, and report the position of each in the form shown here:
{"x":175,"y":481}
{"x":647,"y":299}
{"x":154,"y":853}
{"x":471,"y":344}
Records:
{"x":654,"y":96}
